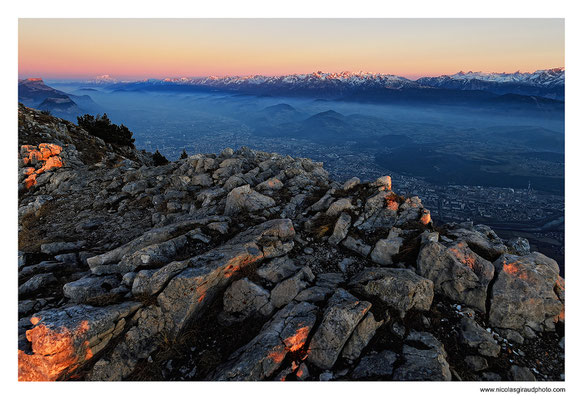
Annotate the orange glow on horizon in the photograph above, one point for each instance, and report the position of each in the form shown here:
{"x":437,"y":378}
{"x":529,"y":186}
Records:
{"x":159,"y":48}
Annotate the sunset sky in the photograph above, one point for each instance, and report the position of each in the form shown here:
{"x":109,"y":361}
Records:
{"x":159,"y":48}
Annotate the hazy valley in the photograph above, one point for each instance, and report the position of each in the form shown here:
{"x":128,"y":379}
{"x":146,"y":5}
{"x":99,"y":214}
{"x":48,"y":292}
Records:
{"x":500,"y":164}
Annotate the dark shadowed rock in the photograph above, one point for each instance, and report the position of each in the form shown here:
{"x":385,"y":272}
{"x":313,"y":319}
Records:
{"x":424,"y":359}
{"x":521,"y":374}
{"x":477,"y":338}
{"x":137,"y":344}
{"x":314,"y":294}
{"x":357,"y":246}
{"x":476,"y":363}
{"x":518,"y":246}
{"x":342,"y":315}
{"x":375,"y":366}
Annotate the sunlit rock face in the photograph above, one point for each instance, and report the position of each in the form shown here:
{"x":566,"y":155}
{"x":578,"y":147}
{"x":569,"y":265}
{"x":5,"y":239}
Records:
{"x":63,"y":339}
{"x":39,"y":159}
{"x":247,"y":265}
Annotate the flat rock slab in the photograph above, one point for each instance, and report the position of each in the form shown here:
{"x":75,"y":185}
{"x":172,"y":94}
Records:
{"x":37,"y":282}
{"x":288,"y":289}
{"x":95,"y":290}
{"x":286,"y":332}
{"x":481,"y":238}
{"x":340,"y":229}
{"x":152,"y":256}
{"x":61,"y":247}
{"x":153,"y":236}
{"x":357,"y":245}
{"x":342,"y":315}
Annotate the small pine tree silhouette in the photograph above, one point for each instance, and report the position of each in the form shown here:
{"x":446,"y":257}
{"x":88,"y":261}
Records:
{"x":159,"y":159}
{"x":103,"y":128}
{"x":184,"y":154}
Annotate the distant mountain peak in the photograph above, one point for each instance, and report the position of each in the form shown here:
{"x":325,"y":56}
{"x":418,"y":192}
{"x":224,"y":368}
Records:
{"x":329,"y":113}
{"x":30,"y":80}
{"x":106,"y":78}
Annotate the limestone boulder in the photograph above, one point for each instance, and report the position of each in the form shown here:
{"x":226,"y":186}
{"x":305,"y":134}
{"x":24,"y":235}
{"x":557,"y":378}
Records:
{"x":457,"y":272}
{"x":524,"y":294}
{"x":398,"y":288}
{"x":244,"y":198}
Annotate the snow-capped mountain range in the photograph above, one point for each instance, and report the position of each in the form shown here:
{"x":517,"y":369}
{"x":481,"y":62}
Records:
{"x":548,"y":83}
{"x":545,"y":83}
{"x":546,"y":77}
{"x":351,"y":79}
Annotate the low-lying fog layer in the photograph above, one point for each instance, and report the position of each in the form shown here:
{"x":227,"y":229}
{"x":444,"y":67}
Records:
{"x":490,"y":146}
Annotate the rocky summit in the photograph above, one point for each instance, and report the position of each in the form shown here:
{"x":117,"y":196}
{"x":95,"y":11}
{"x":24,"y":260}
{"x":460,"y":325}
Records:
{"x":247,"y":265}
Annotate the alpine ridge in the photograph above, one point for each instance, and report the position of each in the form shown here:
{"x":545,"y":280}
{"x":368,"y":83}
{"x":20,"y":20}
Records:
{"x":545,"y":83}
